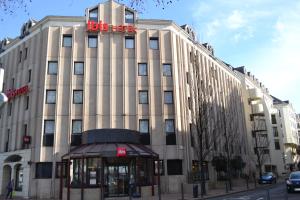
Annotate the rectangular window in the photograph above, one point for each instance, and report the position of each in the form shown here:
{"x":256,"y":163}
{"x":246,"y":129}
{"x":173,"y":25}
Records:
{"x":189,"y":103}
{"x":61,"y":169}
{"x":9,"y":109}
{"x":167,"y":70}
{"x":7,"y":141}
{"x":24,"y":134}
{"x":275,"y":131}
{"x":174,"y":167}
{"x":76,"y":132}
{"x":277,"y":144}
{"x":129,"y":42}
{"x":67,"y":40}
{"x":26,"y":102}
{"x":168,"y":97}
{"x":29,"y":75}
{"x":92,"y":41}
{"x":43,"y":170}
{"x":144,"y":130}
{"x":77,"y":96}
{"x":20,"y":56}
{"x":192,"y":136}
{"x":170,"y":132}
{"x":273,"y":118}
{"x":78,"y":68}
{"x":49,"y":126}
{"x":93,"y":15}
{"x":161,"y":167}
{"x":143,"y":69}
{"x":187,"y":78}
{"x":129,"y":17}
{"x":153,"y":43}
{"x":143,"y":97}
{"x":52,"y":67}
{"x":25,"y":53}
{"x":51,"y":96}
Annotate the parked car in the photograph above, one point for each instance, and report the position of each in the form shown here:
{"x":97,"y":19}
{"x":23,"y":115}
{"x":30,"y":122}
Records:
{"x":268,"y":177}
{"x":293,"y":182}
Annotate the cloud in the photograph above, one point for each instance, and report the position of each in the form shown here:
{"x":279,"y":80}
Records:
{"x":235,"y":20}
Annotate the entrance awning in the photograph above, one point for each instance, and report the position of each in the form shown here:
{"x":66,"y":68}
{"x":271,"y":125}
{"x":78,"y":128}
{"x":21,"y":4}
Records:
{"x":110,"y":150}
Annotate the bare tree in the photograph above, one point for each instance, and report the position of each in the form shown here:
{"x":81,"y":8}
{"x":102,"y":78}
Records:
{"x":140,"y":4}
{"x":10,"y":6}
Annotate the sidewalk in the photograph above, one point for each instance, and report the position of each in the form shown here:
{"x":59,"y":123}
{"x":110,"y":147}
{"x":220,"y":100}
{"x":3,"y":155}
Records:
{"x":220,"y":191}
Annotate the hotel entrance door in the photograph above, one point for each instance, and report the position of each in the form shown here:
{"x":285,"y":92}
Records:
{"x":117,"y":180}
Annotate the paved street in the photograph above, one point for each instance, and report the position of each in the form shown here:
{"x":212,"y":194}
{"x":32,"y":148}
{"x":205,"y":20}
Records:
{"x":276,"y":192}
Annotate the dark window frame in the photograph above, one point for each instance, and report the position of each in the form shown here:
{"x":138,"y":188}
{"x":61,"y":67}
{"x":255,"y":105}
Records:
{"x":165,"y":74}
{"x":154,"y":39}
{"x":47,"y":101}
{"x":141,"y":74}
{"x":143,"y":91}
{"x":129,"y":38}
{"x":90,"y":37}
{"x":127,"y":13}
{"x":174,"y":167}
{"x":43,"y":170}
{"x":80,"y":102}
{"x":78,"y":62}
{"x":48,"y":138}
{"x":67,"y":36}
{"x":48,"y":71}
{"x":172,"y":96}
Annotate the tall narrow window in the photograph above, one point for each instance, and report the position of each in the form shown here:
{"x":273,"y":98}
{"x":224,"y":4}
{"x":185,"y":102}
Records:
{"x":78,"y":68}
{"x":51,"y":96}
{"x":49,"y":126}
{"x":20,"y":56}
{"x":76,"y":132}
{"x":275,"y":131}
{"x":93,"y":15}
{"x":167,"y":70}
{"x":170,"y":132}
{"x":67,"y":40}
{"x":24,"y":134}
{"x":77,"y":96}
{"x":129,"y":16}
{"x":144,"y":130}
{"x":25,"y":53}
{"x":277,"y":144}
{"x":7,"y":141}
{"x":9,"y":109}
{"x":129,"y":42}
{"x":143,"y":71}
{"x":168,"y":97}
{"x":273,"y":119}
{"x":143,"y":97}
{"x":52,"y":67}
{"x":26,"y":102}
{"x":92,"y":41}
{"x":153,"y":43}
{"x":29,"y":75}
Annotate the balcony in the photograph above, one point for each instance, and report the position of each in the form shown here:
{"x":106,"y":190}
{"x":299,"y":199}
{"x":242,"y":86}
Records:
{"x":255,"y":94}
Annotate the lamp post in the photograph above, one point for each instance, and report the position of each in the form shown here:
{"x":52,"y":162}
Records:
{"x":3,"y":97}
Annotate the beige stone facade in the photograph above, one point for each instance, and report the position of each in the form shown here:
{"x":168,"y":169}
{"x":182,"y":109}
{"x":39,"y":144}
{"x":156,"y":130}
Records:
{"x":112,"y":89}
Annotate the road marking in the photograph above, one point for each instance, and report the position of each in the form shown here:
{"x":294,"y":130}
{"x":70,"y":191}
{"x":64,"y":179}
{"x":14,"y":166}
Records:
{"x":260,"y":198}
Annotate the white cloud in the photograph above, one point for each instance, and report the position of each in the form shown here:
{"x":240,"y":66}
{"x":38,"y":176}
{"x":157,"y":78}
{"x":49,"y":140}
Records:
{"x":235,"y":20}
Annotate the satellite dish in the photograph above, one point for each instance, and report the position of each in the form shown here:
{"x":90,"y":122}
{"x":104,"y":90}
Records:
{"x":3,"y":99}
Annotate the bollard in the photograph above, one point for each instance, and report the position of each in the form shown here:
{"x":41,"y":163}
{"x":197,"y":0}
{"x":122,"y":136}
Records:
{"x":268,"y":194}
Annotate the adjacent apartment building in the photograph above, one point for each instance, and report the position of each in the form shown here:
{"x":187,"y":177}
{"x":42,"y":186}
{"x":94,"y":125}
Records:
{"x":100,"y":73}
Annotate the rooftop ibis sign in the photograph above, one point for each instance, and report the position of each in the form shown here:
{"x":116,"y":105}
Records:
{"x":100,"y":26}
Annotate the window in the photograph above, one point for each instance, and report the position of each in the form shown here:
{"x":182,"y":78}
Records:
{"x":76,"y":168}
{"x":77,"y":96}
{"x":144,"y":130}
{"x":161,"y":167}
{"x":7,"y":141}
{"x":26,"y":52}
{"x":153,"y":43}
{"x":143,"y":71}
{"x":167,"y":70}
{"x":168,"y":97}
{"x":192,"y":137}
{"x":67,"y":40}
{"x":20,"y":56}
{"x":76,"y":132}
{"x":50,"y":96}
{"x":9,"y":109}
{"x":92,"y":41}
{"x":61,"y":169}
{"x":27,"y":103}
{"x":19,"y":178}
{"x":275,"y":131}
{"x":143,"y":97}
{"x":277,"y":145}
{"x":29,"y":76}
{"x":48,"y":132}
{"x":93,"y":172}
{"x":129,"y":17}
{"x":43,"y":170}
{"x":78,"y":68}
{"x":24,"y":134}
{"x":273,"y":118}
{"x":93,"y":15}
{"x":170,"y":132}
{"x":187,"y":78}
{"x":52,"y":67}
{"x":129,"y":42}
{"x":174,"y":167}
{"x":189,"y":103}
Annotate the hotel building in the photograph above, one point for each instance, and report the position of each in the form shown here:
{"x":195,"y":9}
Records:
{"x":97,"y":102}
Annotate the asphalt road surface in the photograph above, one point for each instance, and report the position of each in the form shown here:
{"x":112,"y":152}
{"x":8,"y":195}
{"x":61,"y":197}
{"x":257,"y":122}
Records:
{"x":275,"y":192}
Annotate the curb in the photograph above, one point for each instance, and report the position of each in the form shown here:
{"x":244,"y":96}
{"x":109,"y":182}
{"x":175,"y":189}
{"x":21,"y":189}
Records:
{"x":240,"y":191}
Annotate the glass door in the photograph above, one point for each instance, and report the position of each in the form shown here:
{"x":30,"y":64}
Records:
{"x":117,"y":180}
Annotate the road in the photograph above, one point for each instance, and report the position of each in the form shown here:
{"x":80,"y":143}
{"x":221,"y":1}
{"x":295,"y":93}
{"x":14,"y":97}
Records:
{"x":276,"y":192}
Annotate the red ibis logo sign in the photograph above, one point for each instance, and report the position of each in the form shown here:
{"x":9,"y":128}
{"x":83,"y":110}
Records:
{"x":13,"y":93}
{"x":100,"y":26}
{"x":121,"y":152}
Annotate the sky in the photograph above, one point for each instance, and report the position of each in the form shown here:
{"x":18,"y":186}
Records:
{"x":262,"y":35}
